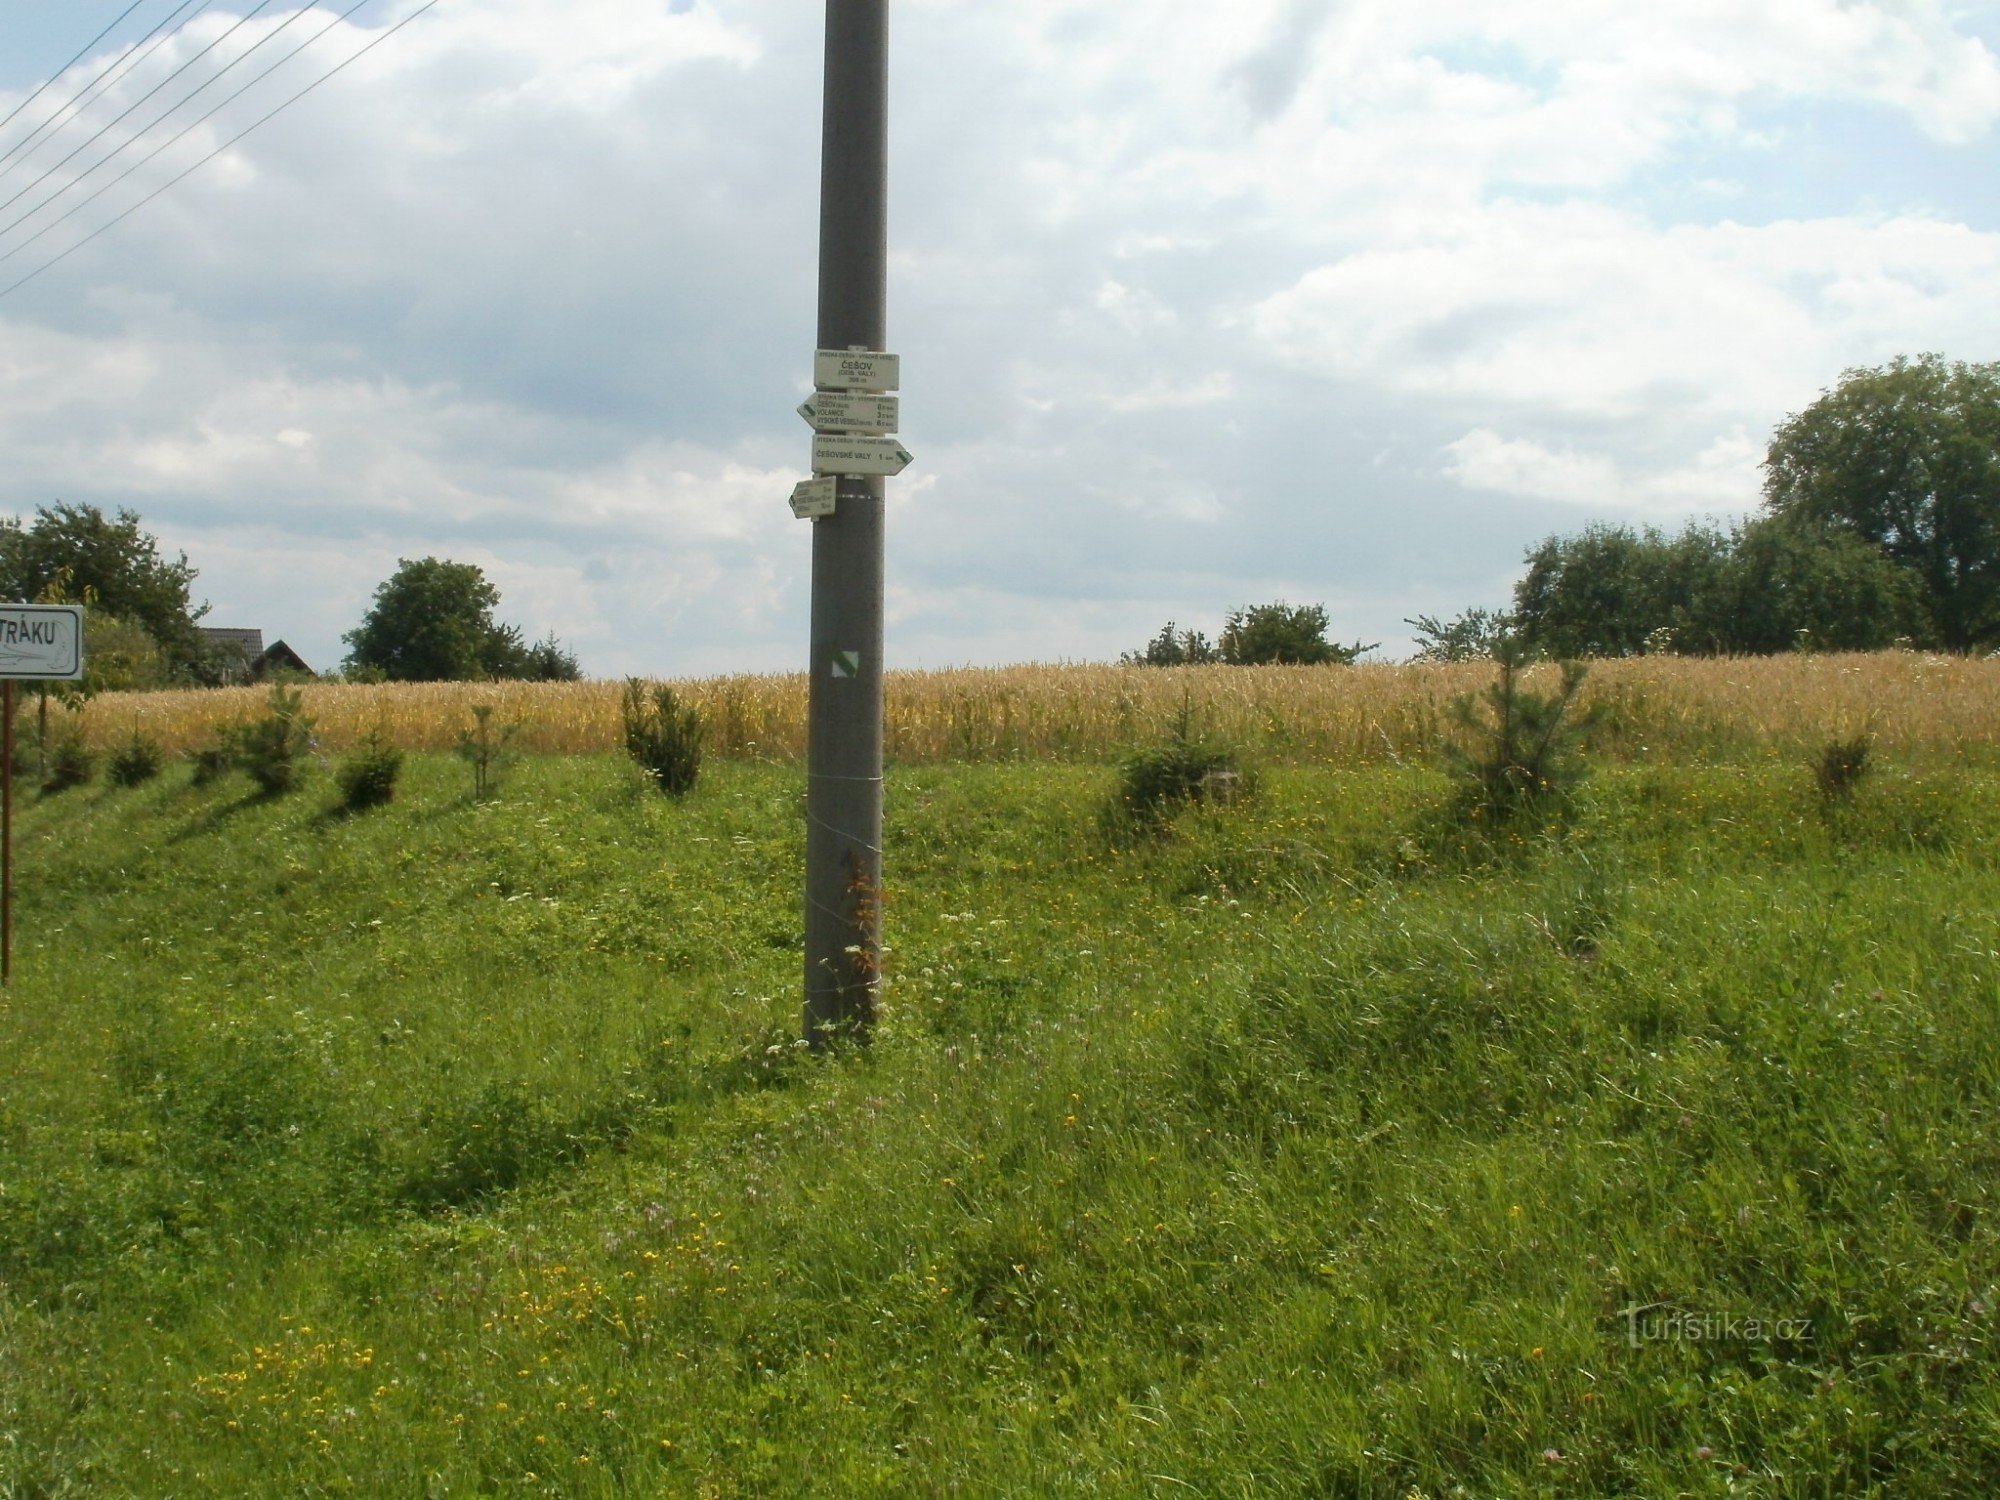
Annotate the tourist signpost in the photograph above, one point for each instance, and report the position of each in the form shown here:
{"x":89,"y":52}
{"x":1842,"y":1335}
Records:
{"x":853,"y":455}
{"x":38,"y":643}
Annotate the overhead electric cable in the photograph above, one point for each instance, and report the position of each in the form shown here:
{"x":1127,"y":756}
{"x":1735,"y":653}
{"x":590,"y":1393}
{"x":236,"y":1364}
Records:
{"x":211,"y":156}
{"x":112,"y":71}
{"x":84,"y":52}
{"x":169,"y":143}
{"x":140,"y":134}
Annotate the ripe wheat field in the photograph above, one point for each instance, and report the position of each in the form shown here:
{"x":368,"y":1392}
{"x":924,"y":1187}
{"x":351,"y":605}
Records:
{"x":1911,"y":703}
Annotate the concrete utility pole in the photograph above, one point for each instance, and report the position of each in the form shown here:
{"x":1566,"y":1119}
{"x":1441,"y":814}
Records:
{"x":844,"y":733}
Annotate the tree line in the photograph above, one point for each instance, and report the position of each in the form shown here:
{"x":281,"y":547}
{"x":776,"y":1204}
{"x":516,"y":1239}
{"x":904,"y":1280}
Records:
{"x":432,"y":620}
{"x":1880,"y":524}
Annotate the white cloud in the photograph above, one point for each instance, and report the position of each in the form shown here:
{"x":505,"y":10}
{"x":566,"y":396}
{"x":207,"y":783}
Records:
{"x":1197,"y":302}
{"x":1595,"y":312}
{"x":1723,"y":478}
{"x":1483,"y":460}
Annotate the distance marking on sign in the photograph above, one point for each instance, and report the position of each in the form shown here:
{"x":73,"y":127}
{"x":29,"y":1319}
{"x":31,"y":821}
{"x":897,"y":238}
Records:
{"x":813,"y":498}
{"x":849,"y":411}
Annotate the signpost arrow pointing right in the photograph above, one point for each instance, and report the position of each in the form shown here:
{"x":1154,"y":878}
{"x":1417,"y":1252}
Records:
{"x":859,"y":455}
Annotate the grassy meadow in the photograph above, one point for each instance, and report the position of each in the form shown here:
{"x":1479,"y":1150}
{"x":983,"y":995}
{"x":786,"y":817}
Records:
{"x":1316,"y":1147}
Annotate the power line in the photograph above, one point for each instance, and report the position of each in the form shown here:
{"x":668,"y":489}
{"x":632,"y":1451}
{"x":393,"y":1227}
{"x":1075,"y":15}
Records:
{"x":112,"y":71}
{"x":43,"y":88}
{"x":129,"y":109}
{"x":169,"y":143}
{"x":139,"y":135}
{"x":260,"y":120}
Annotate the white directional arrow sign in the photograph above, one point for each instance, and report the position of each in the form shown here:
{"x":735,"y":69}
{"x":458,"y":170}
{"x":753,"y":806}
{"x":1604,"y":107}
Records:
{"x":846,"y":411}
{"x":857,"y":370}
{"x":813,"y":498}
{"x":859,"y":455}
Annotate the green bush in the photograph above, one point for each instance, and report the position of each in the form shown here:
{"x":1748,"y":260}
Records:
{"x":497,"y":1139}
{"x":1839,"y":768}
{"x":1469,"y":637}
{"x":136,"y":761}
{"x":663,"y":735}
{"x":1256,"y":636}
{"x":1284,"y":633}
{"x":273,"y":749}
{"x":1157,"y":782}
{"x":1173,"y":647}
{"x":367,"y":773}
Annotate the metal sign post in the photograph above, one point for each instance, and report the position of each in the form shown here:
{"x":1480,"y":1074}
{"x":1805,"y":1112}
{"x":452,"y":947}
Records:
{"x":38,"y":643}
{"x":7,"y":833}
{"x":843,"y":896}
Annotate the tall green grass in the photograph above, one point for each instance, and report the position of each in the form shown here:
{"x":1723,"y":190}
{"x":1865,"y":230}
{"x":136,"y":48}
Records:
{"x":1313,"y":1149}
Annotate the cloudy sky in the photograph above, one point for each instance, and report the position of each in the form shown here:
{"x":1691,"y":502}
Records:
{"x":1200,"y":305}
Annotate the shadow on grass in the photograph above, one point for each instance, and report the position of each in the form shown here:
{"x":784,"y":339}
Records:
{"x":214,"y":819}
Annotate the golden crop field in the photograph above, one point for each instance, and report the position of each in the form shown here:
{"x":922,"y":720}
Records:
{"x":1912,"y":703}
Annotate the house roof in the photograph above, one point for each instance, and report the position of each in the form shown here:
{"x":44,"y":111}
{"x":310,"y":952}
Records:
{"x":249,"y":642}
{"x":278,"y":654}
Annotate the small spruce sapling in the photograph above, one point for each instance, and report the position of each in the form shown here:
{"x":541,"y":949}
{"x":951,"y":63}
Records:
{"x":273,"y":749}
{"x":135,"y":761}
{"x":367,"y":773}
{"x":663,"y":735}
{"x":488,"y":749}
{"x":1156,"y":782}
{"x":1518,"y":755}
{"x":71,"y":763}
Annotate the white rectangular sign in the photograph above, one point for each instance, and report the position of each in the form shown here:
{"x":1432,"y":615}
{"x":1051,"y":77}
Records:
{"x":813,"y":498}
{"x":41,"y":642}
{"x":857,"y":370}
{"x":849,"y":411}
{"x":859,"y":455}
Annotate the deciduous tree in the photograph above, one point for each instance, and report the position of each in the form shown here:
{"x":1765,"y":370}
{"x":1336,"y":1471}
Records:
{"x":432,"y":621}
{"x":1906,"y":456}
{"x":1280,"y":632}
{"x":77,"y":553}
